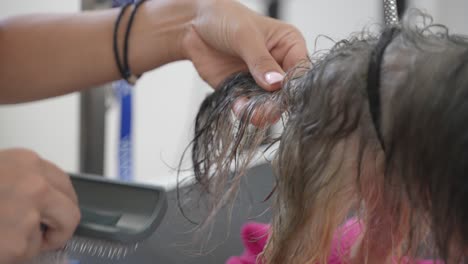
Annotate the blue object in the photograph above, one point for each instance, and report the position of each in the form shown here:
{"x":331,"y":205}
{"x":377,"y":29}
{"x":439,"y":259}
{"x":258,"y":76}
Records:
{"x":124,"y":92}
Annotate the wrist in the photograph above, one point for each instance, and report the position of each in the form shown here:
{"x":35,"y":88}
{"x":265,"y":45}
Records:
{"x":158,"y":33}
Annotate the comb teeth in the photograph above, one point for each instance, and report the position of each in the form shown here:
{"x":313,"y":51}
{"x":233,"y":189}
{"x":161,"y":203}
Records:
{"x":51,"y":258}
{"x":99,"y":248}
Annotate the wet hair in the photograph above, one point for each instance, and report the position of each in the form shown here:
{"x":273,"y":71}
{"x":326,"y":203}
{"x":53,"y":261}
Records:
{"x":411,"y":197}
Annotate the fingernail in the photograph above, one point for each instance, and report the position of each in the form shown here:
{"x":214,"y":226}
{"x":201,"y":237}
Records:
{"x":273,"y":77}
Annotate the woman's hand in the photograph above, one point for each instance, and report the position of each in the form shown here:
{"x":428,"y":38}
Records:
{"x":33,"y":192}
{"x":227,"y":37}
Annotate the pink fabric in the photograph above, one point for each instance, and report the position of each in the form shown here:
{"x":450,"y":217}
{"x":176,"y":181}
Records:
{"x":254,"y":236}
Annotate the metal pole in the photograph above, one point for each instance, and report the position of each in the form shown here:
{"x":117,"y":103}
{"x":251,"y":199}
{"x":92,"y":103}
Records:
{"x":401,"y":7}
{"x":274,"y":9}
{"x":92,"y":116}
{"x":390,"y":12}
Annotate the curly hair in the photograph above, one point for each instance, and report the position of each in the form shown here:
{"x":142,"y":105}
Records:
{"x":411,"y":198}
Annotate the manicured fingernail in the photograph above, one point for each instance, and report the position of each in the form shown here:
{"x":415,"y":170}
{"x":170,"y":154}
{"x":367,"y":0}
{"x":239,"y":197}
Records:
{"x":273,"y":77}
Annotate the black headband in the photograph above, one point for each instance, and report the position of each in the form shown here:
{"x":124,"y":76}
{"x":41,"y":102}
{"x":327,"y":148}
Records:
{"x":373,"y":78}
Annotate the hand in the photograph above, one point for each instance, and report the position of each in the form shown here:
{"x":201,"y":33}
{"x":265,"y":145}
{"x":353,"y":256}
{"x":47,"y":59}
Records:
{"x":33,"y":192}
{"x":227,"y":37}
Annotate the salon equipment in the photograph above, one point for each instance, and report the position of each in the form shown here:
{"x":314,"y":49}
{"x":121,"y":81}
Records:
{"x":174,"y":243}
{"x":116,"y":216}
{"x":393,"y":10}
{"x":390,"y":12}
{"x":274,"y":9}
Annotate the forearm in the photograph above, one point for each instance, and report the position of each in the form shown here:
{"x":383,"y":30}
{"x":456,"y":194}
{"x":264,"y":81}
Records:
{"x":49,"y":55}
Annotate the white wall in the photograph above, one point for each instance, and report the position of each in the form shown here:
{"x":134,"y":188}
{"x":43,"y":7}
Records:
{"x":16,"y":7}
{"x":451,"y":13}
{"x":336,"y":19}
{"x":49,"y":127}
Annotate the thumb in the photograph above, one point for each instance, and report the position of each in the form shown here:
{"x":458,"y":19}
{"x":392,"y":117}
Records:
{"x":263,"y":67}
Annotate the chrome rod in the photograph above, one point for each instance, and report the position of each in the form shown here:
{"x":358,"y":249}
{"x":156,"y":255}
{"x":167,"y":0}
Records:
{"x":390,"y":12}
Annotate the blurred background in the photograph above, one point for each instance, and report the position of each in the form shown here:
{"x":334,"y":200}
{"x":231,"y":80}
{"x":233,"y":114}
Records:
{"x":80,"y":134}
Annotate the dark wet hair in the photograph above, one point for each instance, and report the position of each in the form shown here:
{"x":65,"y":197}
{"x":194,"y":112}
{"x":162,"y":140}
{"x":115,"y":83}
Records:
{"x":329,"y":162}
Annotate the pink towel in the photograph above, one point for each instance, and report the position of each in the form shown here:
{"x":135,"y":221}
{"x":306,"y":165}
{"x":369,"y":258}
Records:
{"x":255,"y":235}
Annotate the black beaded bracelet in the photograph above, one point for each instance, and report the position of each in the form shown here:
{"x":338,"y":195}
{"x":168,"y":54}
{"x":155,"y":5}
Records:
{"x":116,"y":40}
{"x":124,"y":67}
{"x":129,"y":76}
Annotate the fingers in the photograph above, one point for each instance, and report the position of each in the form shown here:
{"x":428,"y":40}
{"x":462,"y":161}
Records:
{"x":34,"y":239}
{"x":60,"y":212}
{"x":212,"y":65}
{"x":19,"y":249}
{"x":290,"y":47}
{"x":61,"y":215}
{"x":262,"y":116}
{"x":268,"y":60}
{"x":21,"y":236}
{"x":297,"y":54}
{"x":263,"y":67}
{"x":33,"y":192}
{"x":59,"y":180}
